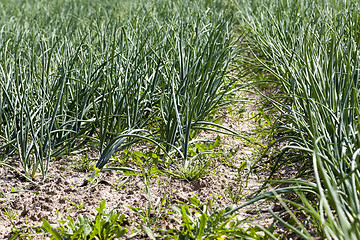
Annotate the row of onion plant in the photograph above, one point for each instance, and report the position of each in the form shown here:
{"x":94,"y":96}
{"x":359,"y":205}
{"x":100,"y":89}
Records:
{"x":80,"y":74}
{"x":312,"y":49}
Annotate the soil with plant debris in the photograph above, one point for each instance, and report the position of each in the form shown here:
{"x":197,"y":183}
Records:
{"x":67,"y":191}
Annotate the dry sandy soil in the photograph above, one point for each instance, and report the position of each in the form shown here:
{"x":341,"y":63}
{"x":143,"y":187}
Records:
{"x":67,"y":192}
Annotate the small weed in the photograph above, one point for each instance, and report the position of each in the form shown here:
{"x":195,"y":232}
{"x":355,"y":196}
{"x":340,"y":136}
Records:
{"x":200,"y":161}
{"x":196,"y":169}
{"x":120,"y":183}
{"x":75,"y":205}
{"x":104,"y":226}
{"x":206,"y":221}
{"x":234,"y":193}
{"x":9,"y":213}
{"x":94,"y":176}
{"x":153,"y":212}
{"x":2,"y":195}
{"x":84,"y":164}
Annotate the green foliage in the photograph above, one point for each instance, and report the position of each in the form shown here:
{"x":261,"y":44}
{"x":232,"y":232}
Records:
{"x":153,"y":212}
{"x":94,"y":176}
{"x":238,"y":190}
{"x":9,"y":213}
{"x":104,"y":226}
{"x":200,"y":163}
{"x":205,"y":221}
{"x":106,"y":74}
{"x":311,"y":48}
{"x":119,"y":184}
{"x":75,"y":205}
{"x":84,"y":164}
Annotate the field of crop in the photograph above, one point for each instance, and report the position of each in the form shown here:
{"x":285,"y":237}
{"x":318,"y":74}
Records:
{"x":161,"y":119}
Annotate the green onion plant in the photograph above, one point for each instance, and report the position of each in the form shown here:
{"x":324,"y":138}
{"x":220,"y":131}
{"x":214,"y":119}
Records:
{"x":312,"y":49}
